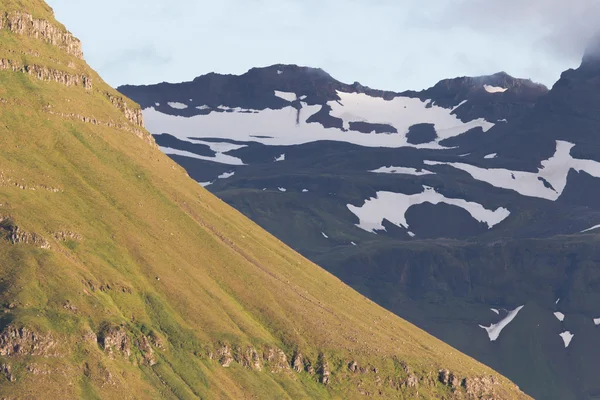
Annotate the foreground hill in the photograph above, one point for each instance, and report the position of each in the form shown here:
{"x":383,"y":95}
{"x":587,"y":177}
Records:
{"x":470,"y":208}
{"x":121,"y":277}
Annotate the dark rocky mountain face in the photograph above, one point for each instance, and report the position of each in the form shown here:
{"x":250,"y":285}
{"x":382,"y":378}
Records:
{"x":469,"y":208}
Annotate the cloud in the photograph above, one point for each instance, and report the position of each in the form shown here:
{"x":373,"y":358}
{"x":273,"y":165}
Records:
{"x":562,"y":28}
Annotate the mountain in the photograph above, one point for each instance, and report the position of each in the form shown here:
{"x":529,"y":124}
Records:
{"x":121,"y":277}
{"x":469,"y":208}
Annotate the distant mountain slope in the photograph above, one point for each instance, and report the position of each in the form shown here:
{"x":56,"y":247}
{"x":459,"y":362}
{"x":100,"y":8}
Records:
{"x":469,"y":208}
{"x":120,"y":277}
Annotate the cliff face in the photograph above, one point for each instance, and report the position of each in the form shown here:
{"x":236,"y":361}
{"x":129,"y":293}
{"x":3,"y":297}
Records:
{"x":122,"y":278}
{"x":22,"y":23}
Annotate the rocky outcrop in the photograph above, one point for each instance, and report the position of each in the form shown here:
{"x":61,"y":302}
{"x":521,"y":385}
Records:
{"x":277,"y":360}
{"x":224,"y":356}
{"x":22,"y":341}
{"x":15,"y":235}
{"x":248,"y":358}
{"x":324,"y":370}
{"x":133,"y":115}
{"x":298,"y":362}
{"x":474,"y":387}
{"x":109,"y":124}
{"x":47,"y":74}
{"x":149,"y":358}
{"x":24,"y":24}
{"x":6,"y":370}
{"x":63,"y":236}
{"x":480,"y":386}
{"x":114,"y":340}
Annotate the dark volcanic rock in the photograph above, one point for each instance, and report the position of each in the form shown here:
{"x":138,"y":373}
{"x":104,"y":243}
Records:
{"x":421,"y":133}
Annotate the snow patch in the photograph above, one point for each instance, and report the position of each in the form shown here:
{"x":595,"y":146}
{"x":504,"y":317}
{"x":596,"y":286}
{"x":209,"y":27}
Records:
{"x":324,"y":235}
{"x":393,"y":207}
{"x":178,"y":106}
{"x":280,"y":158}
{"x":287,"y":96}
{"x":205,"y":184}
{"x":557,"y":300}
{"x":304,"y":190}
{"x":220,"y":148}
{"x":226,"y":175}
{"x":493,"y":155}
{"x":204,"y":107}
{"x":459,"y":104}
{"x":279,"y":72}
{"x":218,"y":158}
{"x":590,"y":229}
{"x":596,"y":321}
{"x":495,"y":310}
{"x":559,"y":316}
{"x":567,"y":337}
{"x":411,"y":234}
{"x":157,"y":104}
{"x":494,"y":330}
{"x":494,"y":89}
{"x":402,"y":170}
{"x":554,"y":171}
{"x":353,"y":244}
{"x":282,"y":189}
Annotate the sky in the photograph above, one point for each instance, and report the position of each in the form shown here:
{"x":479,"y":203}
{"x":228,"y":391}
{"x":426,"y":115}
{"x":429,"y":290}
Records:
{"x":385,"y":44}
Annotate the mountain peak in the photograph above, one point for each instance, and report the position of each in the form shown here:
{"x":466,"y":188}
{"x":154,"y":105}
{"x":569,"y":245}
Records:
{"x":591,"y":56}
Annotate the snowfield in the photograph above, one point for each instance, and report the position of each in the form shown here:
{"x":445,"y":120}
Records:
{"x":494,"y":330}
{"x":178,"y":106}
{"x":279,"y":127}
{"x":393,"y":207}
{"x":554,"y":171}
{"x":494,"y":89}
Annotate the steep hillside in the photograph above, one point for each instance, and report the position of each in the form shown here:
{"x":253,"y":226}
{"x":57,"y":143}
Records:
{"x":121,"y":277}
{"x":469,"y":208}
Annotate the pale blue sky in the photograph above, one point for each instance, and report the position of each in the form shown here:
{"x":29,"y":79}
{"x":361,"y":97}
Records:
{"x":386,"y":44}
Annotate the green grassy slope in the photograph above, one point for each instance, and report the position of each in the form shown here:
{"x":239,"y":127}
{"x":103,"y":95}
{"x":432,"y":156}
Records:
{"x":120,"y":277}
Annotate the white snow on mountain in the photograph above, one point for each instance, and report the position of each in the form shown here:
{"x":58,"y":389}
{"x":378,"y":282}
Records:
{"x":495,"y":310}
{"x":226,"y":175}
{"x":204,"y":107}
{"x":393,"y":207}
{"x":554,"y":170}
{"x":324,"y":235}
{"x":596,"y":321}
{"x":218,"y":158}
{"x":280,"y":127}
{"x":280,"y":158}
{"x":559,"y":316}
{"x":176,"y":105}
{"x":279,"y":72}
{"x":567,"y":337}
{"x":494,"y":330}
{"x":402,"y":170}
{"x":304,"y":190}
{"x":287,"y":96}
{"x":493,"y":155}
{"x":401,"y":113}
{"x":282,"y":189}
{"x":494,"y":89}
{"x":459,"y":104}
{"x":590,"y":229}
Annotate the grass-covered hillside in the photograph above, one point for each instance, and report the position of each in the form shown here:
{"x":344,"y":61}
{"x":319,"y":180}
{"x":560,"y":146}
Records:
{"x":121,"y":277}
